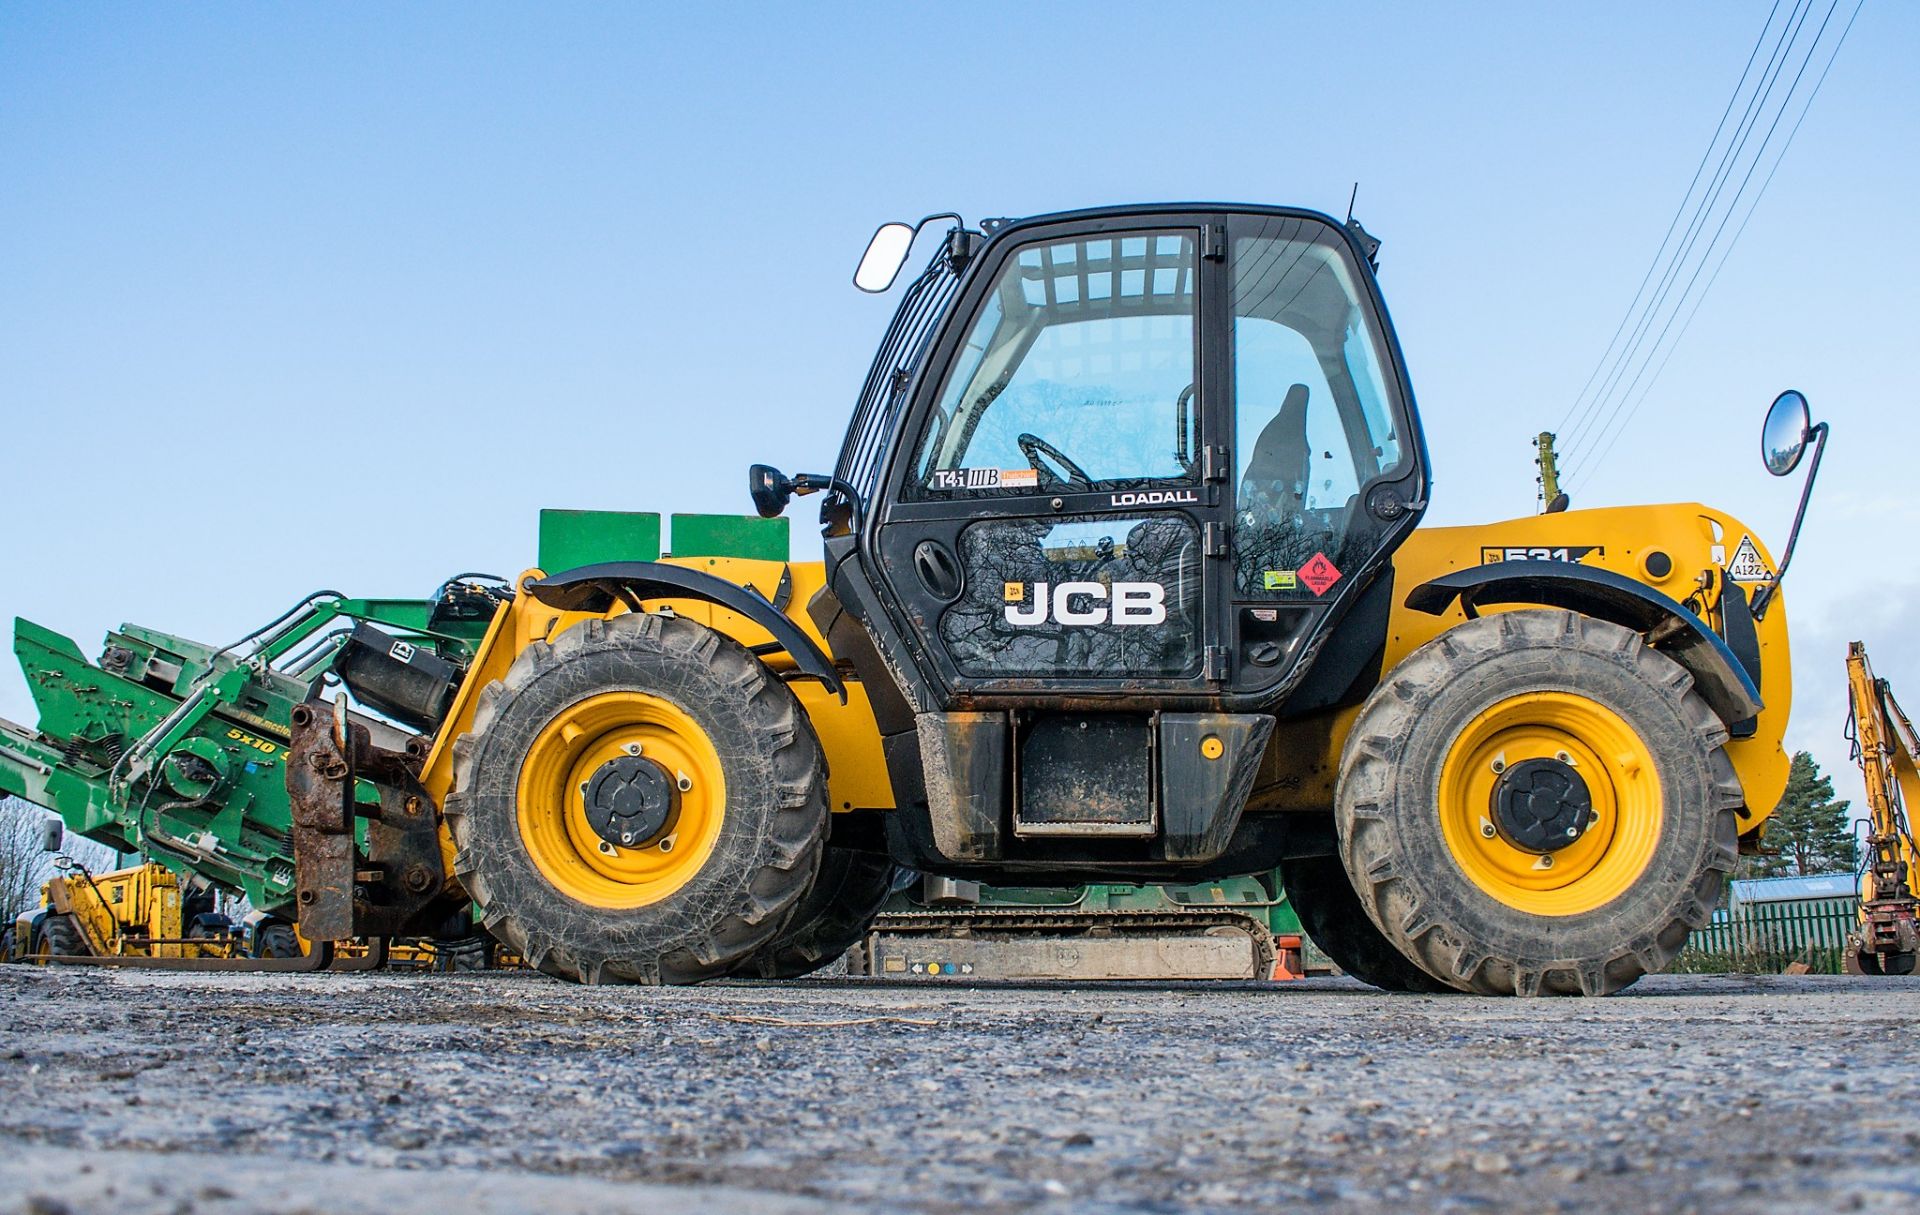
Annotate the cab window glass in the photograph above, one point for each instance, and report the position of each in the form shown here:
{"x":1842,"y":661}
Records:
{"x":1313,"y":419}
{"x":1077,"y":373}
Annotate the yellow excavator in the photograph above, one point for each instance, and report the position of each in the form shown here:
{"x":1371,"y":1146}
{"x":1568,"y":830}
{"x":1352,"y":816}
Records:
{"x":1885,"y":744}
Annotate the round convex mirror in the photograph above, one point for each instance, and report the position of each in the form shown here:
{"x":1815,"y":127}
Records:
{"x":1783,"y":439}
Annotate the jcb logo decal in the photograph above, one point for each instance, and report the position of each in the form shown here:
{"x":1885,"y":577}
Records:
{"x":1083,"y":603}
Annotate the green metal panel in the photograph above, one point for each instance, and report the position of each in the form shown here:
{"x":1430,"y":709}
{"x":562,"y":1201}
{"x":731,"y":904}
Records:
{"x":730,"y":536}
{"x":570,"y":539}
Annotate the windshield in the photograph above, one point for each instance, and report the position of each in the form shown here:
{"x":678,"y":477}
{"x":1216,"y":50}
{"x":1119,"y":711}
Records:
{"x":1077,"y":372}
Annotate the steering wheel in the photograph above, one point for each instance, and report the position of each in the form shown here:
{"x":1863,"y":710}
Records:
{"x":1033,"y":447}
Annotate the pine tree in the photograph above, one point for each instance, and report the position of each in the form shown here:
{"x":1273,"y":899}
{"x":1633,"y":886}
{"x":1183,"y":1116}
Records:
{"x":1808,"y":832}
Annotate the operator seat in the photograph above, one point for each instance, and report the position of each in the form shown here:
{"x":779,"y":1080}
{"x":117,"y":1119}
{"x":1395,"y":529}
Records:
{"x":1274,"y":487}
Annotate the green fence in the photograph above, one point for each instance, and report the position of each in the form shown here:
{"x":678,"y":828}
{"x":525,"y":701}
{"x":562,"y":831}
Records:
{"x":1763,"y":938}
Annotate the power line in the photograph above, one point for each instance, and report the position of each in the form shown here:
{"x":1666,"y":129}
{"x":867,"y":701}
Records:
{"x":1600,"y":435}
{"x":1728,"y":252}
{"x":1725,"y":218}
{"x":1603,"y":406}
{"x":1675,"y":221}
{"x":1596,"y":435}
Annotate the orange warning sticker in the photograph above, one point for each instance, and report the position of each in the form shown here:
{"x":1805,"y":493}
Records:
{"x":1319,"y":573}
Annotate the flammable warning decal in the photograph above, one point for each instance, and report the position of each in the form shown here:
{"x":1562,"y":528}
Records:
{"x":1491,"y":553}
{"x":1746,"y":565}
{"x":1319,"y":573}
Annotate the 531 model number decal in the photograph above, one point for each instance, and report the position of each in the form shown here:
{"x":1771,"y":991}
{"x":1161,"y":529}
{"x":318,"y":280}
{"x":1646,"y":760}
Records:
{"x":1567,"y":552}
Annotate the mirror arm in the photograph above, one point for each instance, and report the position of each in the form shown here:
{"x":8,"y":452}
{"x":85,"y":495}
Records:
{"x":813,"y":483}
{"x":1764,"y":596}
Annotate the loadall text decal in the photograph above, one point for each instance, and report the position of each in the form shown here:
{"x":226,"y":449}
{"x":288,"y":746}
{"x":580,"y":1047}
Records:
{"x":1155,"y":497}
{"x":1086,"y":603}
{"x":1566,"y":552}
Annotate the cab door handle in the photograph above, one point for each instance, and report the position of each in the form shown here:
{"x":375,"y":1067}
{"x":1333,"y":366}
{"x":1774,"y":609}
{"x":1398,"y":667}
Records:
{"x":938,"y":570}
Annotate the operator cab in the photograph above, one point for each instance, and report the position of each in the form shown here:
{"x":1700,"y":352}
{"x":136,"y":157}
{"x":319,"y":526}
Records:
{"x":1113,"y":470}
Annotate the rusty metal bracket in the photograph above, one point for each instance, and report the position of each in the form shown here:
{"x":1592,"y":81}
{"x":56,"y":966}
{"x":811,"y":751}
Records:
{"x":341,"y":893}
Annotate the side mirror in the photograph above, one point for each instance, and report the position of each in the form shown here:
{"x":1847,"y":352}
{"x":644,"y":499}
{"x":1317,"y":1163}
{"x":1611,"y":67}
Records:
{"x":1784,"y":438}
{"x":771,"y":490}
{"x":1784,"y":435}
{"x":885,"y":254}
{"x":53,"y":835}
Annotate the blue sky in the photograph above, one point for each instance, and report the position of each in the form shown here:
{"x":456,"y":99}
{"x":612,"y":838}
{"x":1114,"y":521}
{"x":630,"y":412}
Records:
{"x":341,"y":295}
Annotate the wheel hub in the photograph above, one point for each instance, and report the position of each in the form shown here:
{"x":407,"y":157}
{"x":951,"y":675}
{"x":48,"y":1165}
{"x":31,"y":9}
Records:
{"x":1542,"y":805}
{"x":629,"y":800}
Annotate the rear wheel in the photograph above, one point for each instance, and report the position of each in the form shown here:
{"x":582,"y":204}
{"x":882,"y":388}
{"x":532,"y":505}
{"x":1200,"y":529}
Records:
{"x":1321,"y":894}
{"x":830,"y":918}
{"x":640,"y":800}
{"x":276,"y":940}
{"x":1536,"y":802}
{"x":467,"y":954}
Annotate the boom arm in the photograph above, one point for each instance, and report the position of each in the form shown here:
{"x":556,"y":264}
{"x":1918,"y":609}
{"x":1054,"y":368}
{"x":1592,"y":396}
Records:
{"x":1890,"y":929}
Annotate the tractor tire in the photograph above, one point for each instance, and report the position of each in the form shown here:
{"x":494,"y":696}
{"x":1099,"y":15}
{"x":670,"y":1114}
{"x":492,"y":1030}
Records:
{"x":655,"y":723}
{"x":466,"y":955}
{"x":276,"y":940}
{"x":1536,"y":802}
{"x":1321,"y":894}
{"x":59,"y":937}
{"x":830,"y":918}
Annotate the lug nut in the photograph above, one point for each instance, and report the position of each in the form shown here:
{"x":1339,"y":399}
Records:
{"x":1573,"y":833}
{"x":666,"y":845}
{"x":684,"y":781}
{"x":1499,"y":765}
{"x":633,"y":748}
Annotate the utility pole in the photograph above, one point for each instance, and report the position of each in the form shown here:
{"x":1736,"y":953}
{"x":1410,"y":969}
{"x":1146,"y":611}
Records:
{"x":1552,"y":499}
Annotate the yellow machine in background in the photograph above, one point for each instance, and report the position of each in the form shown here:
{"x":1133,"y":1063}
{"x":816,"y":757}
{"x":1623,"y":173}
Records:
{"x":135,"y":912}
{"x":1885,"y":743}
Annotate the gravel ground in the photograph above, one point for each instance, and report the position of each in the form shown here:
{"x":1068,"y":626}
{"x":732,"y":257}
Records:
{"x":391,"y":1093}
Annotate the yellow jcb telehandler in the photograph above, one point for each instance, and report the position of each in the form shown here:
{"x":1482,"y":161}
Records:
{"x":1124,"y":581}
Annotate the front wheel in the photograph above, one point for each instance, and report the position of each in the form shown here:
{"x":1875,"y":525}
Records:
{"x":1536,"y":802}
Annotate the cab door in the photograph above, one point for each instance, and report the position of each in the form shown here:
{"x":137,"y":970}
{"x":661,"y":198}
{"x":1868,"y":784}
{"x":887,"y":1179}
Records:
{"x":1056,"y":520}
{"x":1327,"y":466}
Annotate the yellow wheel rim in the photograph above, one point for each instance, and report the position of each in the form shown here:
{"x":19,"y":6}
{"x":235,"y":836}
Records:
{"x":1606,"y":752}
{"x":553,"y":808}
